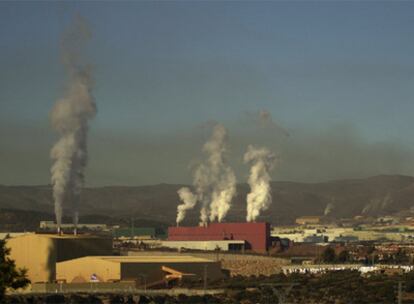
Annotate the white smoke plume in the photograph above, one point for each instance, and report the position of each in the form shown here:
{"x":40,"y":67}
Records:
{"x":367,"y":208}
{"x":328,"y":209}
{"x":223,"y":193}
{"x":202,"y":184}
{"x":70,"y":117}
{"x":189,"y":201}
{"x":214,"y":182}
{"x":260,"y":197}
{"x":222,"y":178}
{"x":377,"y":204}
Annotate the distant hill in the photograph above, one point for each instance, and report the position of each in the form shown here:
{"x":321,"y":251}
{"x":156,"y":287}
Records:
{"x":376,"y":195}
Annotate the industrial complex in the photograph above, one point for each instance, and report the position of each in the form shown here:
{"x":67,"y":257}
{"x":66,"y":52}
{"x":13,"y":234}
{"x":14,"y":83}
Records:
{"x":67,"y":259}
{"x":52,"y":226}
{"x":143,"y":257}
{"x":85,"y":258}
{"x":39,"y":253}
{"x":150,"y":270}
{"x":238,"y":236}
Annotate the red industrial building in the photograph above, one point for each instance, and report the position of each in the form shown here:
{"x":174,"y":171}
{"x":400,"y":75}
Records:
{"x":256,"y":235}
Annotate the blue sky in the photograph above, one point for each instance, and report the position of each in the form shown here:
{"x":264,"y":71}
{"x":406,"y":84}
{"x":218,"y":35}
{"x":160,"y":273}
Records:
{"x":330,"y":72}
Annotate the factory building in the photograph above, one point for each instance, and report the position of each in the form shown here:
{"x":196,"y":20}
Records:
{"x":148,"y":270}
{"x":39,"y":253}
{"x":4,"y":235}
{"x":308,"y":220}
{"x":343,"y":234}
{"x":144,"y":233}
{"x":52,"y":226}
{"x":222,"y":245}
{"x":256,"y":236}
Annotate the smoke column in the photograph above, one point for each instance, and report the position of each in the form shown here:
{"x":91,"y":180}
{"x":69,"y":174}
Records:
{"x":223,"y":193}
{"x":328,"y":209}
{"x":222,"y":178}
{"x":189,"y":201}
{"x":202,"y":184}
{"x":214,"y":182}
{"x":377,"y":204}
{"x":70,"y":117}
{"x":262,"y":162}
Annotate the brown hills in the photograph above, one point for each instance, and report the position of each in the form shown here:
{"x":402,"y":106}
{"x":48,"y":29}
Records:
{"x":378,"y":195}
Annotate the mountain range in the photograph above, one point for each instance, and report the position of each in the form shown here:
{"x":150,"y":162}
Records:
{"x":372,"y":196}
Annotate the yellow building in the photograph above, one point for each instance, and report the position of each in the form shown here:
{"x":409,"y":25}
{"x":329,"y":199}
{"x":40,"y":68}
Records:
{"x":39,"y":253}
{"x":142,"y":269}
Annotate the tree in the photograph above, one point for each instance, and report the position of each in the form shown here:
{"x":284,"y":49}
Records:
{"x":10,"y":276}
{"x":401,"y":257}
{"x":343,"y":256}
{"x":328,"y":255}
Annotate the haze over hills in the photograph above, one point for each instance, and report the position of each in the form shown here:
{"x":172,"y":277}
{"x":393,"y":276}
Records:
{"x":378,"y":195}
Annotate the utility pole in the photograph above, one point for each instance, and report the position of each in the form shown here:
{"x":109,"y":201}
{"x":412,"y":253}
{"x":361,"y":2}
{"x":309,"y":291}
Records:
{"x":399,"y":295}
{"x":132,"y":228}
{"x":205,"y":279}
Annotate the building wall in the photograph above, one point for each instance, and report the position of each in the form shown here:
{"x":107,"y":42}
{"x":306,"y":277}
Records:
{"x":256,"y":235}
{"x":202,"y":245}
{"x":148,"y":232}
{"x":96,"y":287}
{"x":234,"y":263}
{"x":72,"y":248}
{"x":38,"y":253}
{"x":299,"y":235}
{"x":51,"y":225}
{"x":149,"y":271}
{"x":153,"y":271}
{"x":4,"y":235}
{"x":295,"y":237}
{"x":304,"y":220}
{"x":80,"y":270}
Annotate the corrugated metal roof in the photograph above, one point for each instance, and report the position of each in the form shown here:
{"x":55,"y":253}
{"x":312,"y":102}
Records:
{"x":71,"y":236}
{"x":62,"y":236}
{"x":213,"y":242}
{"x":146,"y":259}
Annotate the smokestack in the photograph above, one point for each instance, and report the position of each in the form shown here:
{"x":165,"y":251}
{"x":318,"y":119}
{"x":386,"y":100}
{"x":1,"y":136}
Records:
{"x":70,"y":118}
{"x":58,"y":230}
{"x":260,"y":197}
{"x":75,"y":222}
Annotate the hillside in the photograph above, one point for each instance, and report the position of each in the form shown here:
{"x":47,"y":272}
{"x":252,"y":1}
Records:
{"x":374,"y":196}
